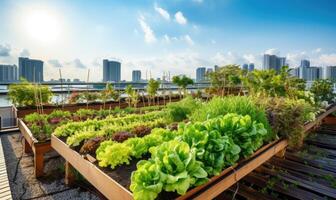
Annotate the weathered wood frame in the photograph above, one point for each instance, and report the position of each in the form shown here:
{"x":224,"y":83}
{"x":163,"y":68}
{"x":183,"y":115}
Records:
{"x":217,"y":184}
{"x":31,"y":145}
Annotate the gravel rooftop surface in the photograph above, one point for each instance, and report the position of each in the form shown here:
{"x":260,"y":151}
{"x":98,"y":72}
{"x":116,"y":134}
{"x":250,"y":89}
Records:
{"x":24,"y":185}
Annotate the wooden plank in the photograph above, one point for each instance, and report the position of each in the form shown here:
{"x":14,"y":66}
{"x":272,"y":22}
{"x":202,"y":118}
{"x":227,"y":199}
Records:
{"x":288,"y":164}
{"x":319,"y":119}
{"x":5,"y":191}
{"x":105,"y":184}
{"x":294,"y":192}
{"x":26,"y":133}
{"x":250,"y":194}
{"x":33,"y":145}
{"x":241,"y":171}
{"x":315,"y":187}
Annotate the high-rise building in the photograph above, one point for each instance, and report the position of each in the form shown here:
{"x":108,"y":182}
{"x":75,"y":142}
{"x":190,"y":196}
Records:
{"x":200,"y":74}
{"x":111,"y":71}
{"x":8,"y":73}
{"x":216,"y":68}
{"x":245,"y":67}
{"x":295,"y":72}
{"x":273,"y":62}
{"x":313,"y":73}
{"x":30,"y":69}
{"x":305,"y":63}
{"x":251,"y":67}
{"x":136,"y":75}
{"x":330,"y":73}
{"x":308,"y":73}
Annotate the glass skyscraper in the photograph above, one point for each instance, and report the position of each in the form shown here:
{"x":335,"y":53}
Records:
{"x":8,"y":73}
{"x":273,"y":62}
{"x":200,"y":74}
{"x":136,"y":75}
{"x":30,"y":69}
{"x":111,"y":71}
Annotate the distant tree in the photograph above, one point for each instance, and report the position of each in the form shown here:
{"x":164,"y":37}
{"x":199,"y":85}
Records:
{"x":227,"y":76}
{"x":152,"y":88}
{"x":108,"y":93}
{"x":182,"y":82}
{"x":129,"y":91}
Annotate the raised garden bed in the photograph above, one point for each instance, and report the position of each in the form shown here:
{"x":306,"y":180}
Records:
{"x":33,"y":145}
{"x":23,"y":111}
{"x":113,"y":190}
{"x":37,"y":148}
{"x":115,"y":184}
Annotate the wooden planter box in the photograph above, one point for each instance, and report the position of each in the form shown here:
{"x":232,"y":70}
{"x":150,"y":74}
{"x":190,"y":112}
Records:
{"x":113,"y":190}
{"x":34,"y":146}
{"x":215,"y":186}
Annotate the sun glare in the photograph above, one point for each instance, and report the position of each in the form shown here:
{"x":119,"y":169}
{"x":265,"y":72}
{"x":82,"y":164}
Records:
{"x":42,"y":25}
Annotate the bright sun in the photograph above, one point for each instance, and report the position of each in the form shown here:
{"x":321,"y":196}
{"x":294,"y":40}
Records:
{"x":42,"y":25}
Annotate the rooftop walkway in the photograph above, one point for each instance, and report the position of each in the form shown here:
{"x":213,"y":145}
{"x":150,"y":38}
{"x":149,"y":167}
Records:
{"x":306,"y":174}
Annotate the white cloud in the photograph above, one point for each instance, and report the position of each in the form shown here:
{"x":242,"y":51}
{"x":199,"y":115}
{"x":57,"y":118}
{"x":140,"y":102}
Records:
{"x":327,"y":59}
{"x":294,"y":59}
{"x":149,"y":34}
{"x":272,"y":51}
{"x":318,"y":50}
{"x":213,"y":41}
{"x":227,"y":58}
{"x":180,"y":18}
{"x":24,"y":53}
{"x":162,"y":12}
{"x":55,"y":63}
{"x":188,"y":39}
{"x":5,"y":50}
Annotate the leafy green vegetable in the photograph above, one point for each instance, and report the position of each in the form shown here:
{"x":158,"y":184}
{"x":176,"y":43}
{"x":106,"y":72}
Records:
{"x":113,"y":155}
{"x":173,"y":167}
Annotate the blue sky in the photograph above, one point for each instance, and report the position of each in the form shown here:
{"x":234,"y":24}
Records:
{"x":157,"y":36}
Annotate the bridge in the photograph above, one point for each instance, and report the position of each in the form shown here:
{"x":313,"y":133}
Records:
{"x":58,"y":87}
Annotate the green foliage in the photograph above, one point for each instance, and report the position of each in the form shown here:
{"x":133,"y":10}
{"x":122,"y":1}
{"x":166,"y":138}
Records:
{"x":287,"y":118}
{"x":133,"y":96}
{"x":146,"y":182}
{"x":109,"y":93}
{"x":173,"y":168}
{"x":233,"y":104}
{"x":227,"y":76}
{"x":273,"y":84}
{"x":152,"y":87}
{"x":323,"y":90}
{"x":179,"y":111}
{"x":220,"y":141}
{"x":59,"y":114}
{"x":112,"y":153}
{"x":194,"y":152}
{"x":24,"y":94}
{"x":182,"y":81}
{"x":39,"y":126}
{"x":84,"y":114}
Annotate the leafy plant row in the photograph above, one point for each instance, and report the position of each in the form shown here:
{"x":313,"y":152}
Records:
{"x":79,"y":131}
{"x":198,"y":151}
{"x":42,"y":125}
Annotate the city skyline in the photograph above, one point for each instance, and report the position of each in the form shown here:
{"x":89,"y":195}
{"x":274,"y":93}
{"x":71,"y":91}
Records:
{"x":162,"y":36}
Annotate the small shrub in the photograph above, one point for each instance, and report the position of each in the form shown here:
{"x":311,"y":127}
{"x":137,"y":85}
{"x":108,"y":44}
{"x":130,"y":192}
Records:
{"x":323,"y":90}
{"x":241,"y":105}
{"x":287,"y":118}
{"x":179,"y":111}
{"x":25,"y":93}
